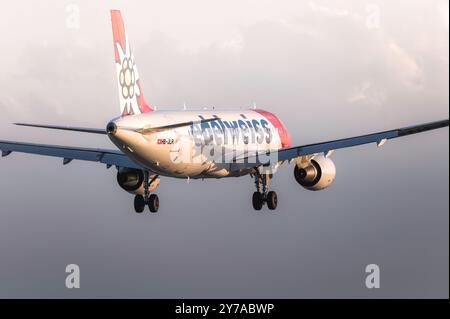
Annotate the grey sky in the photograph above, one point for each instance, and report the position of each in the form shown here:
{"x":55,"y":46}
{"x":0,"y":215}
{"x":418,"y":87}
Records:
{"x":329,"y":69}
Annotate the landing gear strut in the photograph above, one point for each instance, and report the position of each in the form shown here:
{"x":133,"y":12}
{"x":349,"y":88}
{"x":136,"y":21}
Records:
{"x":151,"y":200}
{"x":263,"y":195}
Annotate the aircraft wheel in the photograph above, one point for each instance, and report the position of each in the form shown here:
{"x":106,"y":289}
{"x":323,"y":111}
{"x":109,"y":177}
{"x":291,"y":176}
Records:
{"x":257,"y":200}
{"x":153,"y":203}
{"x":139,"y":203}
{"x":272,"y":200}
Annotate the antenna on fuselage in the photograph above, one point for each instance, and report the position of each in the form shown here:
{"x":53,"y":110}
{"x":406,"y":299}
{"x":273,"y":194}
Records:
{"x":184,"y":106}
{"x":254,"y":105}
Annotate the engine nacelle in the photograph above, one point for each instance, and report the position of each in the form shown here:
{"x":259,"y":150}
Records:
{"x":316,"y":174}
{"x":132,"y":180}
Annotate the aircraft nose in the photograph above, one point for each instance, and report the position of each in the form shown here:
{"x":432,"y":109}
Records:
{"x":111,"y":128}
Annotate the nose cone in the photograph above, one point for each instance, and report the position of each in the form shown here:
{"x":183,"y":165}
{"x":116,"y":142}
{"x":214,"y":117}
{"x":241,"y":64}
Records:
{"x":111,"y":128}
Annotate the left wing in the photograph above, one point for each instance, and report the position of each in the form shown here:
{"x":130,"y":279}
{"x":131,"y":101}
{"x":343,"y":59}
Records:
{"x":380,"y":138}
{"x":68,"y":153}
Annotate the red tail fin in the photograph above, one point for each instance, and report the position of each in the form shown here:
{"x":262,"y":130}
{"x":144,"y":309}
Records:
{"x":131,"y":94}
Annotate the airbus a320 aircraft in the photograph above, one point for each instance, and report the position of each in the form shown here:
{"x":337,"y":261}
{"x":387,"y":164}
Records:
{"x":198,"y":144}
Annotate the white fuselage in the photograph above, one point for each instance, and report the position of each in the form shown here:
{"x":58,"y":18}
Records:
{"x":198,"y":150}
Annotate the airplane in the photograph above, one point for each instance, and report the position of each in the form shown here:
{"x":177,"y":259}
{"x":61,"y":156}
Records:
{"x":198,"y":144}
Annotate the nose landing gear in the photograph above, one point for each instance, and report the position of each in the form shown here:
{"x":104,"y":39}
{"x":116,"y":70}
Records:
{"x":263,"y":195}
{"x":151,"y":200}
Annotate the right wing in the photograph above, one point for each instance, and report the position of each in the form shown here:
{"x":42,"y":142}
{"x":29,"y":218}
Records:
{"x":266,"y":157}
{"x":380,"y":138}
{"x":68,"y":153}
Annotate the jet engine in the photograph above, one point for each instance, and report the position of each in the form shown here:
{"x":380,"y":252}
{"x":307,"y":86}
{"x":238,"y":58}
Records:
{"x":132,"y":180}
{"x":315,"y":174}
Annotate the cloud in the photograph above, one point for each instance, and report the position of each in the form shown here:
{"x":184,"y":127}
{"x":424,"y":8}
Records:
{"x":332,"y":11}
{"x":368,"y":93}
{"x":233,"y":45}
{"x":405,"y":65}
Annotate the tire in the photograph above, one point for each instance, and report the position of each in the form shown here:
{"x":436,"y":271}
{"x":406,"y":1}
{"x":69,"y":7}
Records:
{"x":272,"y":200}
{"x":257,"y":200}
{"x":153,"y":203}
{"x":139,"y":204}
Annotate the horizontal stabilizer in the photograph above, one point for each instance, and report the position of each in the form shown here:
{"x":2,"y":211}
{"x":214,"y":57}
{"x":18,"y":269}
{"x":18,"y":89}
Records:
{"x":147,"y":130}
{"x":66,"y":128}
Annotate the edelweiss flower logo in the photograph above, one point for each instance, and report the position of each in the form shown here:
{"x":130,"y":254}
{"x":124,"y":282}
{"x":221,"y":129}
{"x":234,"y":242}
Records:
{"x":129,"y":85}
{"x":127,"y":78}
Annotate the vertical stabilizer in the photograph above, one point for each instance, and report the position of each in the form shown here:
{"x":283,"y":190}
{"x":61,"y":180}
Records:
{"x":131,"y":95}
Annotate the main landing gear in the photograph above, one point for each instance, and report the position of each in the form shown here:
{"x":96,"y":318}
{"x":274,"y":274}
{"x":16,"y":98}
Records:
{"x":263,"y":195}
{"x":151,"y":200}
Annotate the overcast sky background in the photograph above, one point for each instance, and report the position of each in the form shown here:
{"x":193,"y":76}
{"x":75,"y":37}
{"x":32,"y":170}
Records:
{"x":329,"y":69}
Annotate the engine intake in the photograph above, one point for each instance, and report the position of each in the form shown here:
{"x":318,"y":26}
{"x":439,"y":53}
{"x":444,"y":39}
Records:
{"x":132,"y":180}
{"x":316,"y":174}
